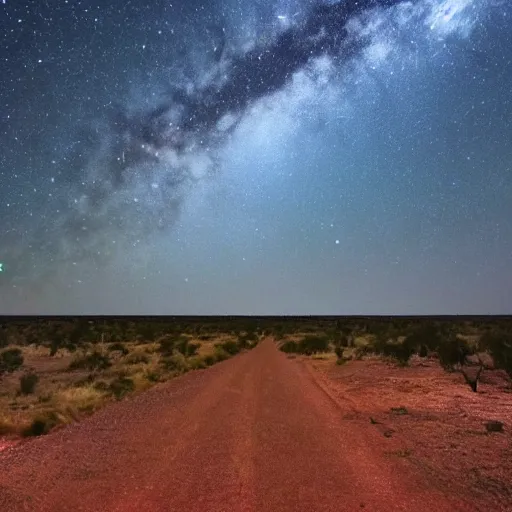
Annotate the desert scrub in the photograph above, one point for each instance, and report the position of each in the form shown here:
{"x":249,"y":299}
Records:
{"x":187,"y":348}
{"x":220,"y":354}
{"x":231,"y":347}
{"x":40,"y":426}
{"x":83,"y":399}
{"x":28,"y":383}
{"x":118,"y":347}
{"x":136,"y":358}
{"x":10,"y":360}
{"x":175,"y":363}
{"x":91,"y":362}
{"x":499,"y":344}
{"x":197,"y":363}
{"x":290,"y":347}
{"x":121,"y":387}
{"x":6,"y":425}
{"x":400,"y":351}
{"x":309,"y":345}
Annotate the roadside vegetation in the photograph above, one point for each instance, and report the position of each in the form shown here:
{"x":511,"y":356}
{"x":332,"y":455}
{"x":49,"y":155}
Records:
{"x":54,"y":372}
{"x":467,"y":346}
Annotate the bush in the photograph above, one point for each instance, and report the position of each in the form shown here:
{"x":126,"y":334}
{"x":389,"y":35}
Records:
{"x":209,"y":360}
{"x":148,"y":331}
{"x":187,"y":348}
{"x":499,"y":345}
{"x":176,"y":362}
{"x":167,"y":344}
{"x":10,"y":360}
{"x":341,"y":340}
{"x":401,"y":352}
{"x":197,"y":363}
{"x":54,"y":347}
{"x":290,"y":347}
{"x":41,"y":425}
{"x":121,"y":386}
{"x":153,"y":376}
{"x":4,"y":339}
{"x":91,"y":362}
{"x":338,"y":350}
{"x":314,"y":344}
{"x":220,"y":354}
{"x":28,"y":383}
{"x":136,"y":358}
{"x":118,"y":347}
{"x":101,"y":386}
{"x":231,"y":347}
{"x":452,"y":352}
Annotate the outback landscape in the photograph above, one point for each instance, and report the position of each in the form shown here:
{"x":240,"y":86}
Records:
{"x":309,"y":413}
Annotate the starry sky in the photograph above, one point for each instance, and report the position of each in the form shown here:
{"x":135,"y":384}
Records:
{"x":256,"y":157}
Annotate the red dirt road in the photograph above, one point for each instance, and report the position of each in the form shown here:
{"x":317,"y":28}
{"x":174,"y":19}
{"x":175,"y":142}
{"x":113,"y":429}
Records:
{"x":254,"y":433}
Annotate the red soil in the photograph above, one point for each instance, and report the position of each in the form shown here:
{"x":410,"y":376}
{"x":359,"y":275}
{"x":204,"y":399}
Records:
{"x":443,"y":431}
{"x":258,"y":432}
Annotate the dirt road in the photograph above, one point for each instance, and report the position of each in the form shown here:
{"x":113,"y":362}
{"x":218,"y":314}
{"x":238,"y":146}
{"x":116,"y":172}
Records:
{"x":254,"y":433}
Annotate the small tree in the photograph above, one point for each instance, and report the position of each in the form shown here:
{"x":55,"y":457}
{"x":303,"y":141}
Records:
{"x":313,"y":344}
{"x":4,"y":339}
{"x":453,"y":353}
{"x":424,"y":338}
{"x":10,"y":360}
{"x":400,"y":351}
{"x":28,"y":383}
{"x":499,"y":345}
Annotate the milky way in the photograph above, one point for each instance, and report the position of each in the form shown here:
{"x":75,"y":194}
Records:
{"x":139,"y":136}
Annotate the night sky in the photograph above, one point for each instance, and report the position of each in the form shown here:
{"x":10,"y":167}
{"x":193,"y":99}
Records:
{"x":256,"y":157}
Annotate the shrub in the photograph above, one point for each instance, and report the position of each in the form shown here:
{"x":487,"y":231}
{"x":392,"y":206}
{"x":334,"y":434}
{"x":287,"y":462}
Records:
{"x":290,"y":347}
{"x":338,"y":350}
{"x":118,"y":347}
{"x":10,"y":360}
{"x":314,"y":344}
{"x":101,"y":386}
{"x":197,"y":363}
{"x":176,"y":362}
{"x":54,"y":348}
{"x":4,"y":339}
{"x":91,"y":362}
{"x":499,"y":345}
{"x":136,"y":358}
{"x":231,"y":347}
{"x":167,"y":344}
{"x":192,"y":349}
{"x":209,"y":360}
{"x":220,"y":354}
{"x":153,"y":376}
{"x":453,"y":353}
{"x":41,"y":425}
{"x":341,"y":340}
{"x":400,"y":351}
{"x":148,"y":331}
{"x":28,"y":383}
{"x":121,"y":386}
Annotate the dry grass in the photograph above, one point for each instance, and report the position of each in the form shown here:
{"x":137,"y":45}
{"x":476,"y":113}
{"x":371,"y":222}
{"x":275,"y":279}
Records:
{"x":65,"y":395}
{"x":81,"y":399}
